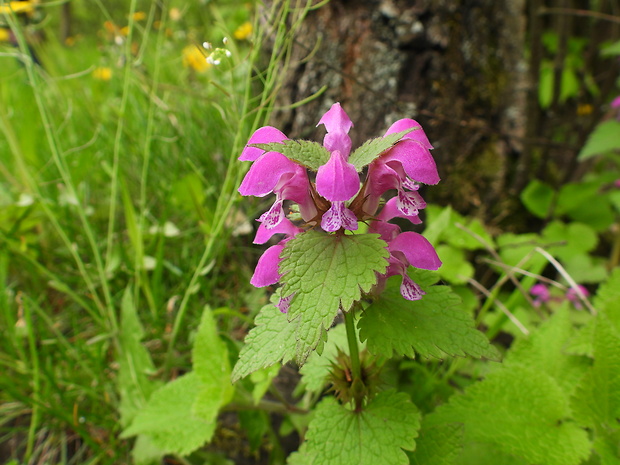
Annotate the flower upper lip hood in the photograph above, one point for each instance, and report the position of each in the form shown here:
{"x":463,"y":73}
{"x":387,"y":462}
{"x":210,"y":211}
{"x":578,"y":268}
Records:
{"x":263,"y":135}
{"x":417,"y":134}
{"x":338,"y":125}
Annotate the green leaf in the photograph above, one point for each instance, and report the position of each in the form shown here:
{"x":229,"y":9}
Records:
{"x":304,"y":152}
{"x":614,"y":199}
{"x":567,"y":240}
{"x":603,"y":139}
{"x":569,"y":87}
{"x":481,"y":453}
{"x":575,"y":195}
{"x":597,"y":400}
{"x":325,"y":273}
{"x":446,"y":225}
{"x":537,"y":198}
{"x":455,"y":267}
{"x":135,"y":364}
{"x":262,"y":380}
{"x":373,"y":148}
{"x":544,"y":350}
{"x":608,"y":297}
{"x":597,"y":213}
{"x":545,"y":85}
{"x":255,"y":424}
{"x":438,"y":445}
{"x":434,"y":326}
{"x":270,"y":342}
{"x":439,"y":220}
{"x":212,"y":367}
{"x":518,"y":250}
{"x":585,"y":268}
{"x":611,"y":49}
{"x":169,"y":420}
{"x":523,"y":412}
{"x":144,"y":452}
{"x":376,"y":435}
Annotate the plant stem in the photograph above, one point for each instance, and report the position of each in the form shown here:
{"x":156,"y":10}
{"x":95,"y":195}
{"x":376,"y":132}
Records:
{"x":354,"y":351}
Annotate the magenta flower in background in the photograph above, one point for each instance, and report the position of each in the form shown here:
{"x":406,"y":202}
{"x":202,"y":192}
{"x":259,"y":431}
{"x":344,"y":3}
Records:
{"x":335,"y":202}
{"x":615,"y":104}
{"x":541,"y":294}
{"x":572,"y":294}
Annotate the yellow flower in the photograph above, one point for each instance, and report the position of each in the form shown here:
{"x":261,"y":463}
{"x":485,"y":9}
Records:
{"x":584,"y":109}
{"x":102,"y":73}
{"x":124,"y":31}
{"x":175,"y":14}
{"x":244,"y":31}
{"x":5,"y":35}
{"x":17,"y":7}
{"x":139,"y":15}
{"x":110,"y":27}
{"x":192,"y":58}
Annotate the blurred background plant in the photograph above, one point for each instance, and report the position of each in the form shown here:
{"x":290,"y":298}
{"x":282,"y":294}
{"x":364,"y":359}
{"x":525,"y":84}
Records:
{"x":118,"y":160}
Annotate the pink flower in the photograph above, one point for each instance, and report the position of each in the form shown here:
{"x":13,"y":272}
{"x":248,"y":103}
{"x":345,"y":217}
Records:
{"x":409,"y":249}
{"x":266,"y":272}
{"x":407,"y":163}
{"x":335,"y":200}
{"x":264,"y":135}
{"x":573,"y":295}
{"x":541,"y":294}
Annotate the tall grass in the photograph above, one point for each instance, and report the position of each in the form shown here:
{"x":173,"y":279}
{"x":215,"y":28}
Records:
{"x":116,"y":187}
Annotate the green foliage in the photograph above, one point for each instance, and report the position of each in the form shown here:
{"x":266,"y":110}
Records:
{"x":446,"y":225}
{"x":455,"y":268}
{"x":267,"y":344}
{"x":181,"y":416}
{"x":544,"y":351}
{"x":611,"y":49}
{"x":135,"y":364}
{"x":439,"y":445}
{"x":373,"y":148}
{"x":596,"y":401}
{"x":376,"y":434}
{"x":602,"y":140}
{"x":537,"y":198}
{"x":169,"y":419}
{"x":325,"y":273}
{"x":304,"y":152}
{"x":522,"y":411}
{"x":574,"y":75}
{"x":436,"y":325}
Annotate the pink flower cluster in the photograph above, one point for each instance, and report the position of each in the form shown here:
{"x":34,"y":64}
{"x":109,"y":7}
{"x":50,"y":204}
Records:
{"x":336,"y":201}
{"x":542,"y":295}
